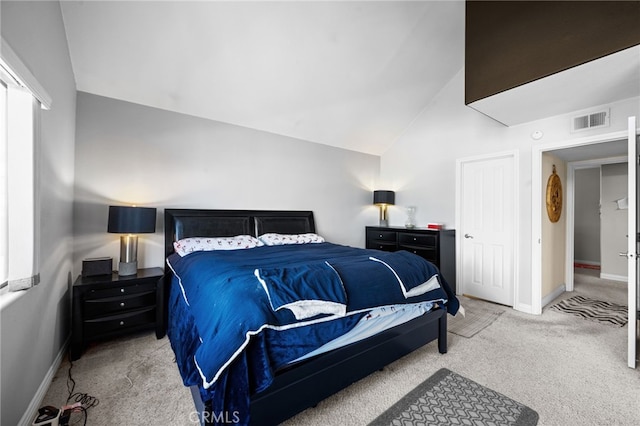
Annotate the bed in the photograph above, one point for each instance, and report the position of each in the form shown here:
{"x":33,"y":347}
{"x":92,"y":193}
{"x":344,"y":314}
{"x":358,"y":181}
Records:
{"x":302,"y":381}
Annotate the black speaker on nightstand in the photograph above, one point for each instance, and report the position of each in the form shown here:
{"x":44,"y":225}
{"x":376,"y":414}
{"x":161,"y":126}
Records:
{"x":97,"y":266}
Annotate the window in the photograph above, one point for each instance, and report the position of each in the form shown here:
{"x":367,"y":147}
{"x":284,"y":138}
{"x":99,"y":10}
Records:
{"x":20,"y":104}
{"x":3,"y":186}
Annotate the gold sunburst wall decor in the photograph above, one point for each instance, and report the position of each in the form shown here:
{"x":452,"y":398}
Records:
{"x":554,"y":196}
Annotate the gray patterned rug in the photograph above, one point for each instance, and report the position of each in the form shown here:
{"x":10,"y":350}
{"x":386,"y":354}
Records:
{"x":446,"y":398}
{"x":595,"y":310}
{"x":478,"y":316}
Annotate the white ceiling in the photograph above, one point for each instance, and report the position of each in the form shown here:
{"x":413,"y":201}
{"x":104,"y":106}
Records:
{"x":350,"y":74}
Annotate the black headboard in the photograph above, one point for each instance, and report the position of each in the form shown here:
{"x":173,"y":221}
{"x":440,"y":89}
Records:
{"x":183,"y":223}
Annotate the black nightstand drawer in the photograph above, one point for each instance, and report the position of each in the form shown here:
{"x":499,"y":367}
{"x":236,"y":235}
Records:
{"x":116,"y":323}
{"x":424,"y":240}
{"x":120,"y":291}
{"x":381,"y":236}
{"x":97,"y":307}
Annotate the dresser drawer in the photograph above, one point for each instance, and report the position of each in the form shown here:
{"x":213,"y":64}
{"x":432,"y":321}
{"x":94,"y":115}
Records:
{"x":423,"y":240}
{"x":378,"y":245}
{"x":382,"y":236}
{"x":121,"y":290}
{"x":116,"y":323}
{"x":99,"y":307}
{"x":431,"y":254}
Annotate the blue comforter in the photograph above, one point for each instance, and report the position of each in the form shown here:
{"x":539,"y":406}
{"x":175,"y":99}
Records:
{"x":229,"y":340}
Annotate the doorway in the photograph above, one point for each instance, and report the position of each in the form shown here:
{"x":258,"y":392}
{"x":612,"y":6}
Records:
{"x":588,"y":151}
{"x":588,"y":244}
{"x":631,"y":255}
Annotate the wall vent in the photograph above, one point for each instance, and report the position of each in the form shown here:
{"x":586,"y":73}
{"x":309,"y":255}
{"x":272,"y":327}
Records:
{"x":592,"y":120}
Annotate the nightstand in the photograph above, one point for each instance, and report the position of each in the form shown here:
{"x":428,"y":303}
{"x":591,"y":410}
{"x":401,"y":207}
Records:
{"x":107,"y":306}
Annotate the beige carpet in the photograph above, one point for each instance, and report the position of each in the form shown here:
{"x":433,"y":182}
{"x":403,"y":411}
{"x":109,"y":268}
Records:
{"x":570,"y":371}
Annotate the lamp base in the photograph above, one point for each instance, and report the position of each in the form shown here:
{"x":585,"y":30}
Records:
{"x":128,"y":268}
{"x":384,"y":223}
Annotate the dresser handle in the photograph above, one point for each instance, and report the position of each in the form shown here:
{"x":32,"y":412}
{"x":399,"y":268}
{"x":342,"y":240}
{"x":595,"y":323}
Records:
{"x":121,"y":322}
{"x":122,"y":290}
{"x":122,"y":304}
{"x":415,"y":239}
{"x":380,"y":236}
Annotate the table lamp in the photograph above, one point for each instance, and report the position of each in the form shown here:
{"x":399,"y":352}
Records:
{"x":130,"y":221}
{"x":384,"y":199}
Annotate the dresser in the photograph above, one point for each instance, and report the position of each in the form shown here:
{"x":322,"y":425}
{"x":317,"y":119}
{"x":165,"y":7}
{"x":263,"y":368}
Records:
{"x":437,"y":246}
{"x":107,"y":306}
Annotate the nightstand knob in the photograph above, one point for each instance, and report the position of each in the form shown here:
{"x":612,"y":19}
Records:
{"x":415,"y":239}
{"x":380,"y":235}
{"x":122,"y":290}
{"x":121,"y":322}
{"x":122,"y":304}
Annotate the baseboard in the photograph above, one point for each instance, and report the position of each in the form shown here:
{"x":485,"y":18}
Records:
{"x":586,"y":264}
{"x":524,"y":307}
{"x":614,"y":277}
{"x":36,"y":401}
{"x":552,"y":296}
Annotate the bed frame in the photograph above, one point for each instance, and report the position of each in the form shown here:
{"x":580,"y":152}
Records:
{"x":308,"y":382}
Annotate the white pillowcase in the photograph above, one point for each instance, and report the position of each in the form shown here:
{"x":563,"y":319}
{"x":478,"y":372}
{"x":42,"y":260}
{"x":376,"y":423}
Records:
{"x":191,"y":244}
{"x":273,"y":239}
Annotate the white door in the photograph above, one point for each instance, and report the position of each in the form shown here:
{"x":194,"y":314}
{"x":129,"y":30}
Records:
{"x":486,"y":230}
{"x":632,"y":248}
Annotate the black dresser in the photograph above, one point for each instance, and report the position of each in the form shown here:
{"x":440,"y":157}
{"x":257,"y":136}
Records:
{"x":437,"y":246}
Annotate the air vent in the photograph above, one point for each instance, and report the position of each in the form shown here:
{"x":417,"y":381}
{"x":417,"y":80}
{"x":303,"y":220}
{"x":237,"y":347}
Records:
{"x":590,"y":121}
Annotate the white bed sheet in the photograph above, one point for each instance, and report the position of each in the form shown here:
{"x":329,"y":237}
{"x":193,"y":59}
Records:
{"x":376,"y":321}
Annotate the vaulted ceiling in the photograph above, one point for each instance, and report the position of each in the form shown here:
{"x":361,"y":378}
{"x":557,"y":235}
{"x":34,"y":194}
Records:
{"x":352,"y":74}
{"x":349,"y":74}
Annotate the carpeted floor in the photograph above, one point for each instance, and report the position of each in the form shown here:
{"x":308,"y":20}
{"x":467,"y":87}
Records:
{"x":570,"y":371}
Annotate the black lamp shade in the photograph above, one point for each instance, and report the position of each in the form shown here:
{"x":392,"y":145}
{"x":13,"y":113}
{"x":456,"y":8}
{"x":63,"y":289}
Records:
{"x":132,"y":220}
{"x":384,"y":197}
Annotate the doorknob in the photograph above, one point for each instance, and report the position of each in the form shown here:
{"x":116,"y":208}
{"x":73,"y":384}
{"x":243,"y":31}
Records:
{"x":468,"y":236}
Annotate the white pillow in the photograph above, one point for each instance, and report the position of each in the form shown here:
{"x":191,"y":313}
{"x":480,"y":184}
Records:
{"x":273,"y":239}
{"x":191,"y":244}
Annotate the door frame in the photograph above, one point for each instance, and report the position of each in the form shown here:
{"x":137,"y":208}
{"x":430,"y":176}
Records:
{"x":571,"y":199}
{"x":514,"y":155}
{"x":537,"y":207}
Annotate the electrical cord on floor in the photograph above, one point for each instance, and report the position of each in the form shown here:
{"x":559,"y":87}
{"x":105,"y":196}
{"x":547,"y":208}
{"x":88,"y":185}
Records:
{"x":77,"y":402}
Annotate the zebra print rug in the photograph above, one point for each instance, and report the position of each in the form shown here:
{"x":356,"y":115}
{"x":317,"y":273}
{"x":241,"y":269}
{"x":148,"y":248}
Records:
{"x":595,"y":310}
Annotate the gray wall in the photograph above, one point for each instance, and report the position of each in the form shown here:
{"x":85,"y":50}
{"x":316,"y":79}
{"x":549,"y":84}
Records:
{"x":614,"y":222}
{"x":587,"y":216}
{"x":132,"y":154}
{"x":36,"y":323}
